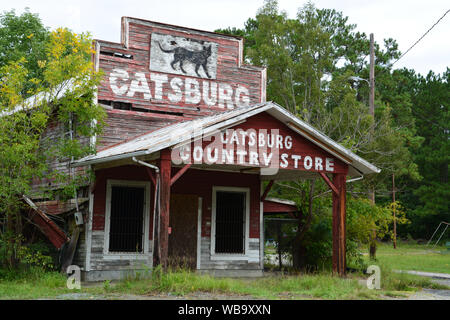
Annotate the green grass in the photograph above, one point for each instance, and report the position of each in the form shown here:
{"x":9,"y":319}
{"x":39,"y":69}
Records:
{"x":413,"y":257}
{"x":305,"y":286}
{"x":182,"y":282}
{"x":35,"y":283}
{"x":32,"y":284}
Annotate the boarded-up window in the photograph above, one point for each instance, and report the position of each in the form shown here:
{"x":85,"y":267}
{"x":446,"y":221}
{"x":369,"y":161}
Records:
{"x":126,"y":219}
{"x":230,"y":222}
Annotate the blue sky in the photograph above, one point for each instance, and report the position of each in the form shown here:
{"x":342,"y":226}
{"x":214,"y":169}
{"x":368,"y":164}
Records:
{"x":403,"y":20}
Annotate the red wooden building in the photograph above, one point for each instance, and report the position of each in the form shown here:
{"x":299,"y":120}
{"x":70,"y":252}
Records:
{"x":189,"y":141}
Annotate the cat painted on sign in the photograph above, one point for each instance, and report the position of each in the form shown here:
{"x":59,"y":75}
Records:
{"x":182,"y":55}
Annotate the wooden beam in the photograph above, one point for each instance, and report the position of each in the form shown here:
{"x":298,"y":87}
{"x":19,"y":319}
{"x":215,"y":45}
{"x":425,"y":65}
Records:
{"x":254,"y":169}
{"x":266,"y":191}
{"x":329,"y":183}
{"x":339,"y":225}
{"x":93,"y":186}
{"x":165,"y":166}
{"x":151,"y":175}
{"x":180,"y":173}
{"x":51,"y":230}
{"x":342,"y":225}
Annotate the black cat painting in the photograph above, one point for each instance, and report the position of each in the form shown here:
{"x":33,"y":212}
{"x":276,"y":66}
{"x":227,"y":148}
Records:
{"x":197,"y":58}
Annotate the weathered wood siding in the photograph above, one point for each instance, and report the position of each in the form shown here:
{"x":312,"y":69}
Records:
{"x":197,"y":182}
{"x":261,"y":141}
{"x":201,"y":182}
{"x":133,"y":56}
{"x":52,"y":134}
{"x":249,"y":262}
{"x":101,"y":262}
{"x":130,"y":173}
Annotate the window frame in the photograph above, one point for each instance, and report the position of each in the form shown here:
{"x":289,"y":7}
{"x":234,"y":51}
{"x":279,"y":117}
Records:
{"x":230,"y":256}
{"x":146,"y":223}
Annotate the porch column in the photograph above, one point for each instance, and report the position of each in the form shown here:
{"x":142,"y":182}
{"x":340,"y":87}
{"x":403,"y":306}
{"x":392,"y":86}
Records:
{"x":165,"y":166}
{"x":339,"y":224}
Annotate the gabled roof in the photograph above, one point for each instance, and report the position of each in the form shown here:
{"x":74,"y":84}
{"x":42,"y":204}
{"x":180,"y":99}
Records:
{"x":183,"y":131}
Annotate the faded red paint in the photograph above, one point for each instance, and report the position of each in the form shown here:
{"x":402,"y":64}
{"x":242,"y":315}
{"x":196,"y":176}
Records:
{"x":193,"y":181}
{"x":276,"y":207}
{"x":122,"y":125}
{"x":56,"y":236}
{"x":134,"y":173}
{"x":201,"y":182}
{"x":263,"y":122}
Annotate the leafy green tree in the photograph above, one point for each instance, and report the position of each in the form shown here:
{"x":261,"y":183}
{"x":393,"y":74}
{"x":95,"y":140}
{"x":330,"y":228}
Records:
{"x":431,"y":196}
{"x":65,"y":91}
{"x":309,"y":62}
{"x":23,"y":36}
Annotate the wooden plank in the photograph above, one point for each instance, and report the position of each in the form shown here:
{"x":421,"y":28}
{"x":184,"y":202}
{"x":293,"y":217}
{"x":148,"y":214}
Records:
{"x":151,"y":175}
{"x":46,"y":225}
{"x":329,"y":183}
{"x":339,"y":225}
{"x":180,"y":173}
{"x":165,"y":167}
{"x":266,"y":191}
{"x":183,"y":223}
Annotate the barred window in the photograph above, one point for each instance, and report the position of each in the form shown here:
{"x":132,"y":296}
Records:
{"x":126,"y":227}
{"x":230,"y":222}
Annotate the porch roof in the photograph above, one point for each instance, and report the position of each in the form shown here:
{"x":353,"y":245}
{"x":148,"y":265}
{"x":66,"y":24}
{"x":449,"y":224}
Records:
{"x":177,"y":133}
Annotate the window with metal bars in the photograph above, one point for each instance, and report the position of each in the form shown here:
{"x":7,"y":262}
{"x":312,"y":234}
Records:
{"x":230,"y":222}
{"x":126,"y":228}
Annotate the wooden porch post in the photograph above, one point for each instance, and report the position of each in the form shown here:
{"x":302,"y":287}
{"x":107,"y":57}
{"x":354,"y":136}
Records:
{"x":165,"y":166}
{"x":339,"y":224}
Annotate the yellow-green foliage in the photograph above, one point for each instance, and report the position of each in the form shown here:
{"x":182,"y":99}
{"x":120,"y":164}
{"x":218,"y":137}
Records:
{"x":364,"y":217}
{"x":24,"y":155}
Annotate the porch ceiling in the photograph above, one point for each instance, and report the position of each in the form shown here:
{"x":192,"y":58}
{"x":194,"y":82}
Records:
{"x":281,"y":174}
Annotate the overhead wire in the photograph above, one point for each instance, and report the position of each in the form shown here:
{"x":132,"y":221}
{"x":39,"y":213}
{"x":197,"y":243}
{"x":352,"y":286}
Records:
{"x":415,"y":43}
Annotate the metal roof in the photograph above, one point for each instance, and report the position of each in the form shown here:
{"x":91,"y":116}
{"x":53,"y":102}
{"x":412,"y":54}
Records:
{"x":184,"y":131}
{"x":56,"y":93}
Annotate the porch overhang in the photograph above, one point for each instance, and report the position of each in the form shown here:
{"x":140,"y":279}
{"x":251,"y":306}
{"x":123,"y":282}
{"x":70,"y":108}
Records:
{"x":145,"y":147}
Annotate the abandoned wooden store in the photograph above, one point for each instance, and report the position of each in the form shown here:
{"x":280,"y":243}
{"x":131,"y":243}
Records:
{"x":180,"y":167}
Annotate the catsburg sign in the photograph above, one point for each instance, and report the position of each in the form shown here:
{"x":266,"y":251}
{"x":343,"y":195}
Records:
{"x":260,"y":141}
{"x":183,"y":71}
{"x":254,"y":148}
{"x":190,"y":91}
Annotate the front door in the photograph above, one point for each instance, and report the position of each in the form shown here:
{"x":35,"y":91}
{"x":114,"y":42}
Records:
{"x":183,"y":237}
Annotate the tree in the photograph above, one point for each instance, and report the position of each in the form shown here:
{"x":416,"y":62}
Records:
{"x":65,"y":89}
{"x":431,"y":112}
{"x":23,"y":36}
{"x":309,"y":62}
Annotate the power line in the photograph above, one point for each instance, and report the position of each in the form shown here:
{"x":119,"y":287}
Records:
{"x":422,"y":37}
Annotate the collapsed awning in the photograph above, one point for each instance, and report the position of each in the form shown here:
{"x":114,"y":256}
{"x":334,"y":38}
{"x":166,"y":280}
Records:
{"x":51,"y":230}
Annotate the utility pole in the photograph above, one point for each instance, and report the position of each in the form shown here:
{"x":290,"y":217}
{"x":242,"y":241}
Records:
{"x":373,"y":246}
{"x":372,"y":97}
{"x":372,"y":77}
{"x":395,"y":218}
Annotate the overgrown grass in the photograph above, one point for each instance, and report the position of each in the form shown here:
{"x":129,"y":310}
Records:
{"x":410,"y":256}
{"x":182,"y":282}
{"x":394,"y":281}
{"x":35,"y":283}
{"x":305,"y":286}
{"x":32,"y":284}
